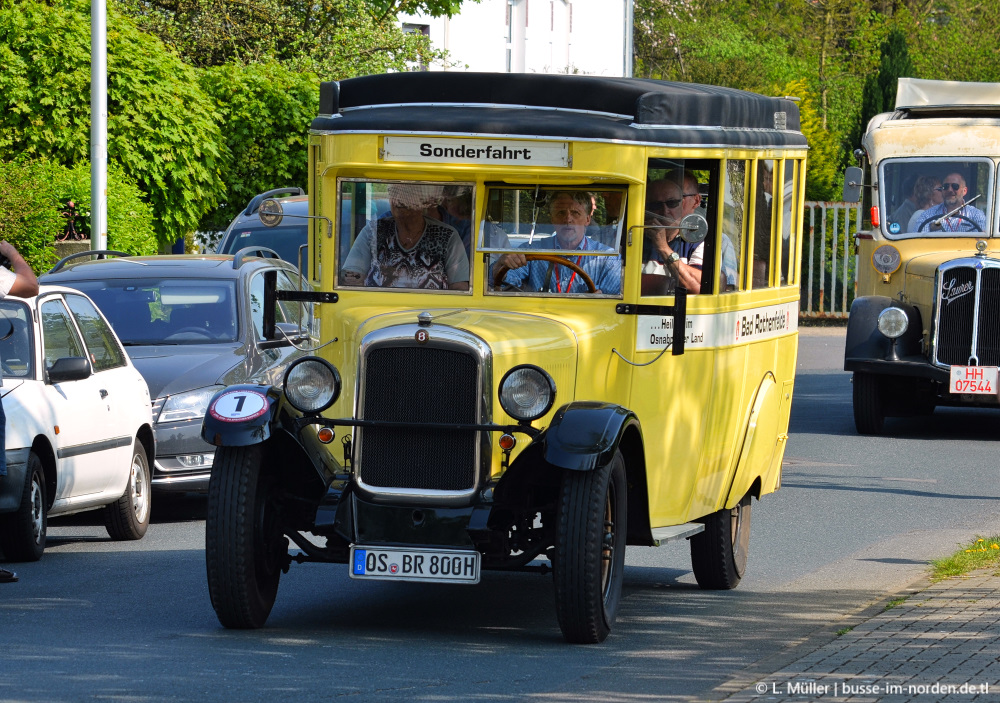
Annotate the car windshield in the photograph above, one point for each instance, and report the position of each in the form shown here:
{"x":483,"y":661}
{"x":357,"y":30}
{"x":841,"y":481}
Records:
{"x":936,"y":197}
{"x":17,"y":358}
{"x":284,"y":239}
{"x":167,"y":311}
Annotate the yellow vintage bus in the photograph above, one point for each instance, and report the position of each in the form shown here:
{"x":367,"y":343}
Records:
{"x":558,"y":316}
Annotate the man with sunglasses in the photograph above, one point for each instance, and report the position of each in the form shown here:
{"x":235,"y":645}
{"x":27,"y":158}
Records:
{"x":668,"y":201}
{"x":961,"y":216}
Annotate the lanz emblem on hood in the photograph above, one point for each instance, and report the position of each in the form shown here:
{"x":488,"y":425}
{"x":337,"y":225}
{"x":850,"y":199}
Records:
{"x":952,"y":291}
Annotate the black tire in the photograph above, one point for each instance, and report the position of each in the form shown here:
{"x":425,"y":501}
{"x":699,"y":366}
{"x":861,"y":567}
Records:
{"x":719,"y":554}
{"x":245,"y":549}
{"x":590,"y":551}
{"x":128,"y":517}
{"x":869,"y":404}
{"x":22,"y":533}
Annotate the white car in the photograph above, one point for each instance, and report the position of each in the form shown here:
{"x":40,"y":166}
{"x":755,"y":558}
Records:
{"x":79,"y":422}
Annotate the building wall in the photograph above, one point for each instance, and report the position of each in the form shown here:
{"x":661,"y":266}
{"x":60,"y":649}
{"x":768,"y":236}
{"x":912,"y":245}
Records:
{"x":534,"y":36}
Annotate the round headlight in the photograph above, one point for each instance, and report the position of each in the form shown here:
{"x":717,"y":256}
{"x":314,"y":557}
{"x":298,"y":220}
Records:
{"x":526,"y":393}
{"x":312,"y":384}
{"x":892,"y":322}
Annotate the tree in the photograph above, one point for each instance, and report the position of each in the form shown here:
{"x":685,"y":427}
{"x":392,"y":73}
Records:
{"x":333,"y":38}
{"x":264,"y":111}
{"x":161,"y":125}
{"x":879,"y":93}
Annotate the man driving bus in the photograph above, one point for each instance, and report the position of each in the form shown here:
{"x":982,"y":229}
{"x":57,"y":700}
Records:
{"x":571,"y":214}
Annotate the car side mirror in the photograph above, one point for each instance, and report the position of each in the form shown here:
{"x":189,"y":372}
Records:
{"x":854,"y":179}
{"x":69,"y":368}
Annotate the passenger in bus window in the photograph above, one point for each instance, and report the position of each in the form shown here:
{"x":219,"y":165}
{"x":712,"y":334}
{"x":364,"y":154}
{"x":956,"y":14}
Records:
{"x":968,"y":218}
{"x":570,"y":212}
{"x":607,"y":234}
{"x":668,"y":201}
{"x":408,"y":249}
{"x":928,"y":193}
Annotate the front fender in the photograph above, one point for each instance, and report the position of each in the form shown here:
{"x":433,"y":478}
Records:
{"x":239,"y":416}
{"x":584,"y":435}
{"x":865,"y":343}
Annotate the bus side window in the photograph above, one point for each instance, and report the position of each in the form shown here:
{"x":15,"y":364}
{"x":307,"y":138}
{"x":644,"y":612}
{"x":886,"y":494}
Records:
{"x":677,"y":189}
{"x":733,"y":218}
{"x":789,"y":226}
{"x":763,"y":223}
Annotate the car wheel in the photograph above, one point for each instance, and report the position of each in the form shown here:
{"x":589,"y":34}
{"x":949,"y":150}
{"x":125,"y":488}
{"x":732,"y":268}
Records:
{"x":128,"y":517}
{"x":869,"y":404}
{"x":245,"y":548}
{"x":22,"y":533}
{"x":590,"y":551}
{"x":719,"y":554}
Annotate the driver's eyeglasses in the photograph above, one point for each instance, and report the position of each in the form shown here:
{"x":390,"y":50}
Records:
{"x":671,"y":204}
{"x":945,"y":186}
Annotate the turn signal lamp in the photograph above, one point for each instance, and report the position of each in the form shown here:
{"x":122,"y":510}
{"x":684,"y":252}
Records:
{"x":875,"y":220}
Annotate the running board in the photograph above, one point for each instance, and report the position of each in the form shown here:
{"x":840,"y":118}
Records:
{"x":662,"y":535}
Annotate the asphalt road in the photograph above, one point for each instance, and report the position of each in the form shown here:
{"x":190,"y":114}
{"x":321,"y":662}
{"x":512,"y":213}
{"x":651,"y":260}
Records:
{"x":856,"y":518}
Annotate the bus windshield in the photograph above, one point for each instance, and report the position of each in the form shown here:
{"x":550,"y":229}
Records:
{"x":936,"y":197}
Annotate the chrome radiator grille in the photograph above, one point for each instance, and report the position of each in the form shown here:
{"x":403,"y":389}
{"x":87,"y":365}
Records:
{"x":418,"y":384}
{"x":968,"y":307}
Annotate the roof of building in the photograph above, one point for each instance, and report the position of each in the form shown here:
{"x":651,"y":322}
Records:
{"x":591,"y":107}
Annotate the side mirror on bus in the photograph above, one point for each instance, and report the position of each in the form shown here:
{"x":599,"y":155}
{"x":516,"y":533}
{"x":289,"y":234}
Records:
{"x":693,"y":228}
{"x":854,"y":179}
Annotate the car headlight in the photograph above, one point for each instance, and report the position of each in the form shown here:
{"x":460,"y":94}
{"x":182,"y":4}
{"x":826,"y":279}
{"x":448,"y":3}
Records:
{"x":892,"y":322}
{"x":312,"y":384}
{"x":526,"y":393}
{"x":187,"y":406}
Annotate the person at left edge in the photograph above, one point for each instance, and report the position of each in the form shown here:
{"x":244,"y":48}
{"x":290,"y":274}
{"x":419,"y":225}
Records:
{"x":22,"y":283}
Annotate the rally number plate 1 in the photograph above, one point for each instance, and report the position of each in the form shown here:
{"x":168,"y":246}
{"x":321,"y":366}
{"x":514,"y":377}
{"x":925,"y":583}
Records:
{"x":404,"y":564}
{"x":980,"y":380}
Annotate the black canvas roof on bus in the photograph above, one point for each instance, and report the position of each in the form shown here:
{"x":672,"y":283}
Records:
{"x":592,"y":107}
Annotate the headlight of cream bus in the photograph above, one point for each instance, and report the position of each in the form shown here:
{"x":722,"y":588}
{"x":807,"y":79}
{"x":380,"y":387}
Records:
{"x":526,"y":393}
{"x":312,"y":384}
{"x":892,"y":323}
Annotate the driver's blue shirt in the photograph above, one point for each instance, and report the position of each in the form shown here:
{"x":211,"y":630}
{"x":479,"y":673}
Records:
{"x":544,"y":276}
{"x":961,"y":221}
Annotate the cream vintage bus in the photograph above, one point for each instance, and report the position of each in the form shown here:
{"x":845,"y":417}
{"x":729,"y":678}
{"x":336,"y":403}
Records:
{"x":558,"y":316}
{"x":923,"y":330}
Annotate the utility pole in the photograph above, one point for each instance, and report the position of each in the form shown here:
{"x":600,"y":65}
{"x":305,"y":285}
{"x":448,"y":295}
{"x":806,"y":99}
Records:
{"x":98,"y":125}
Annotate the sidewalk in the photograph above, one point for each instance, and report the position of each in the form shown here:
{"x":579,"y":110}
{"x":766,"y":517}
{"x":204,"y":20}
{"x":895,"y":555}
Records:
{"x":941,"y":643}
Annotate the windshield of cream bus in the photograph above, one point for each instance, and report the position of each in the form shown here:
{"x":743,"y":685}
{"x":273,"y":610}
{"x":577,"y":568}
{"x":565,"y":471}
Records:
{"x":528,"y":231}
{"x":936,"y":197}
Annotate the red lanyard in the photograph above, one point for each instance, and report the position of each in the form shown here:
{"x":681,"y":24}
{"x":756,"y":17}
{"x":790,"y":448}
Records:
{"x":570,"y":282}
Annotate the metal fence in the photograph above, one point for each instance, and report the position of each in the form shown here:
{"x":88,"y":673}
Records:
{"x":829,"y":258}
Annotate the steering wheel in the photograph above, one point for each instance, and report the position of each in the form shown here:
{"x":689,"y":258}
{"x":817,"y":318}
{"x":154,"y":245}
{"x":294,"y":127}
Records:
{"x":501,"y":270}
{"x":196,"y":330}
{"x":975,"y":227}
